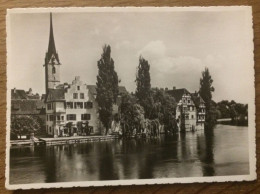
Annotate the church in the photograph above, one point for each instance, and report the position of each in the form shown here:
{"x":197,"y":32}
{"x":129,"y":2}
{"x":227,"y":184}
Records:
{"x":71,"y":109}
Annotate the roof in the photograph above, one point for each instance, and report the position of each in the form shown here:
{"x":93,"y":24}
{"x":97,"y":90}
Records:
{"x":178,"y":93}
{"x":18,"y":94}
{"x":27,"y":107}
{"x":56,"y":94}
{"x":197,"y":99}
{"x":92,"y":89}
{"x":22,"y":94}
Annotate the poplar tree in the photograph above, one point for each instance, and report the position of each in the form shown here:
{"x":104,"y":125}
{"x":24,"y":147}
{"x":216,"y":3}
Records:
{"x":107,"y":87}
{"x":205,"y":92}
{"x":143,"y":89}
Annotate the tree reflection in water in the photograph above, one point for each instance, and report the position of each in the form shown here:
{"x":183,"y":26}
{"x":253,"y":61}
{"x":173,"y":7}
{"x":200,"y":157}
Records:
{"x":180,"y":155}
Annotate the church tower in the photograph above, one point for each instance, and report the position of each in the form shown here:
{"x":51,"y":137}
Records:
{"x":52,"y":63}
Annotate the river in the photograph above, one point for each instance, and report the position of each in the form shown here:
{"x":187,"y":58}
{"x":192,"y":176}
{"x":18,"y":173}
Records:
{"x":221,"y":152}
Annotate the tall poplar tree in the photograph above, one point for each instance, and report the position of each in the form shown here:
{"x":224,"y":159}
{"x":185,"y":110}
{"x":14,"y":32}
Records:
{"x":205,"y":92}
{"x":107,"y":87}
{"x":143,"y":89}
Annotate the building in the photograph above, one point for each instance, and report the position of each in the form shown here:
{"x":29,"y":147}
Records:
{"x":25,"y":103}
{"x":190,"y":110}
{"x":71,"y":109}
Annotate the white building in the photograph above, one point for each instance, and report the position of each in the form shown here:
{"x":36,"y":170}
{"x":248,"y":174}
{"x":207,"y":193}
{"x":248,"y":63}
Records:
{"x":191,"y":107}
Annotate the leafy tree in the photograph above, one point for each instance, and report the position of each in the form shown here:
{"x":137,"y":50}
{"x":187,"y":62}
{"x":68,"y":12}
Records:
{"x":164,"y":108}
{"x":24,"y":125}
{"x":205,"y":92}
{"x":107,"y":87}
{"x":132,"y":115}
{"x":143,"y":89}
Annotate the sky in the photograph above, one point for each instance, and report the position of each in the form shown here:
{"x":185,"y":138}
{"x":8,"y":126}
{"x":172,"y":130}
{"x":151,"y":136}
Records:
{"x":177,"y":44}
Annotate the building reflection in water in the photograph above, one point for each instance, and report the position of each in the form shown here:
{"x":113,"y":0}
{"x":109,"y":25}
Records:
{"x":180,"y":155}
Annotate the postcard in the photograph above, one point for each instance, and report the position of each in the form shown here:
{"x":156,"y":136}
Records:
{"x":129,"y":95}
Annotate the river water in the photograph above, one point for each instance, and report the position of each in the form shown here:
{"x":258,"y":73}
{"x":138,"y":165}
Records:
{"x":221,"y":152}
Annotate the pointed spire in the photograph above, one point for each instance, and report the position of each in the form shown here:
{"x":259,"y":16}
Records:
{"x":51,"y":47}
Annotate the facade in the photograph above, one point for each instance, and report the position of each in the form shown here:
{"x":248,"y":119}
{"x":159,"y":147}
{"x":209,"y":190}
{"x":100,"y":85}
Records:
{"x":190,"y":110}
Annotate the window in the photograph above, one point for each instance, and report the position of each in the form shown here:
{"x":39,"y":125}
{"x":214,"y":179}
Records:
{"x":62,"y":118}
{"x":91,"y":129}
{"x":53,"y":70}
{"x":71,"y":117}
{"x":88,"y":105}
{"x":69,"y":105}
{"x":51,"y":117}
{"x":85,"y":117}
{"x":186,"y":116}
{"x":50,"y":130}
{"x":81,"y":95}
{"x":188,"y":101}
{"x":80,"y":105}
{"x":47,"y":118}
{"x":78,"y":87}
{"x":75,"y":95}
{"x":192,"y":116}
{"x":58,"y":118}
{"x":49,"y":106}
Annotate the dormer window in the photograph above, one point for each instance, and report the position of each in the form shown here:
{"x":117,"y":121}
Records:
{"x":78,"y":87}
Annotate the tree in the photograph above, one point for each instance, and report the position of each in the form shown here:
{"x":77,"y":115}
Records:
{"x":24,"y":125}
{"x":143,"y":89}
{"x":164,"y":108}
{"x":107,"y":87}
{"x":132,"y":115}
{"x":205,"y":92}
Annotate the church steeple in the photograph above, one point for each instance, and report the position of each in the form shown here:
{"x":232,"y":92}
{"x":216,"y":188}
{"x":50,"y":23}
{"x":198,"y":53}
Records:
{"x":52,"y":63}
{"x":51,"y":47}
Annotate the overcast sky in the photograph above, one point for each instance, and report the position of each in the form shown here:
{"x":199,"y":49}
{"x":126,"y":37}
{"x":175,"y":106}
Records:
{"x":177,"y":44}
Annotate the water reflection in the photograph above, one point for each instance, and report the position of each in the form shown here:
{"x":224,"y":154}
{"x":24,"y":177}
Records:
{"x":181,"y":155}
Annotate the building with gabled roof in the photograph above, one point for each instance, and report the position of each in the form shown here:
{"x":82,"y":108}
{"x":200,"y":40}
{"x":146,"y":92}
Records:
{"x":190,"y":110}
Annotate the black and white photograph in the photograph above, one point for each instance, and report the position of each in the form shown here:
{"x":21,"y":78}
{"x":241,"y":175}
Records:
{"x":129,"y":95}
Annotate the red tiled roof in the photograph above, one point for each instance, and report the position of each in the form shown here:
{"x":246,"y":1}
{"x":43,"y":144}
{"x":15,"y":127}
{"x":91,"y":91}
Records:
{"x":178,"y":93}
{"x":56,"y":94}
{"x":27,"y":107}
{"x":18,"y":94}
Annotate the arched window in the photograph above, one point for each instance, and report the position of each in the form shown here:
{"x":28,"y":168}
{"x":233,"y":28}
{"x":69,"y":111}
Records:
{"x":53,"y":70}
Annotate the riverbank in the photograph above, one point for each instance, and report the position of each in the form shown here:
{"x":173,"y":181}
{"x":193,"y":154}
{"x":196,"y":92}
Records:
{"x":76,"y":139}
{"x":189,"y":155}
{"x":60,"y":140}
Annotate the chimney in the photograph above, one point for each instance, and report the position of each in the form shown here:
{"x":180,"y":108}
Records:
{"x":174,"y":88}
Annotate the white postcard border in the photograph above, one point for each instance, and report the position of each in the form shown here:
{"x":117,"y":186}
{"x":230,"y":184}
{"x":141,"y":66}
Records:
{"x":251,"y":105}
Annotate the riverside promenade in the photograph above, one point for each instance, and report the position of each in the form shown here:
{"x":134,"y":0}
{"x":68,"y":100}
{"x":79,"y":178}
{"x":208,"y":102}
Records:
{"x":61,"y":140}
{"x":76,"y":139}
